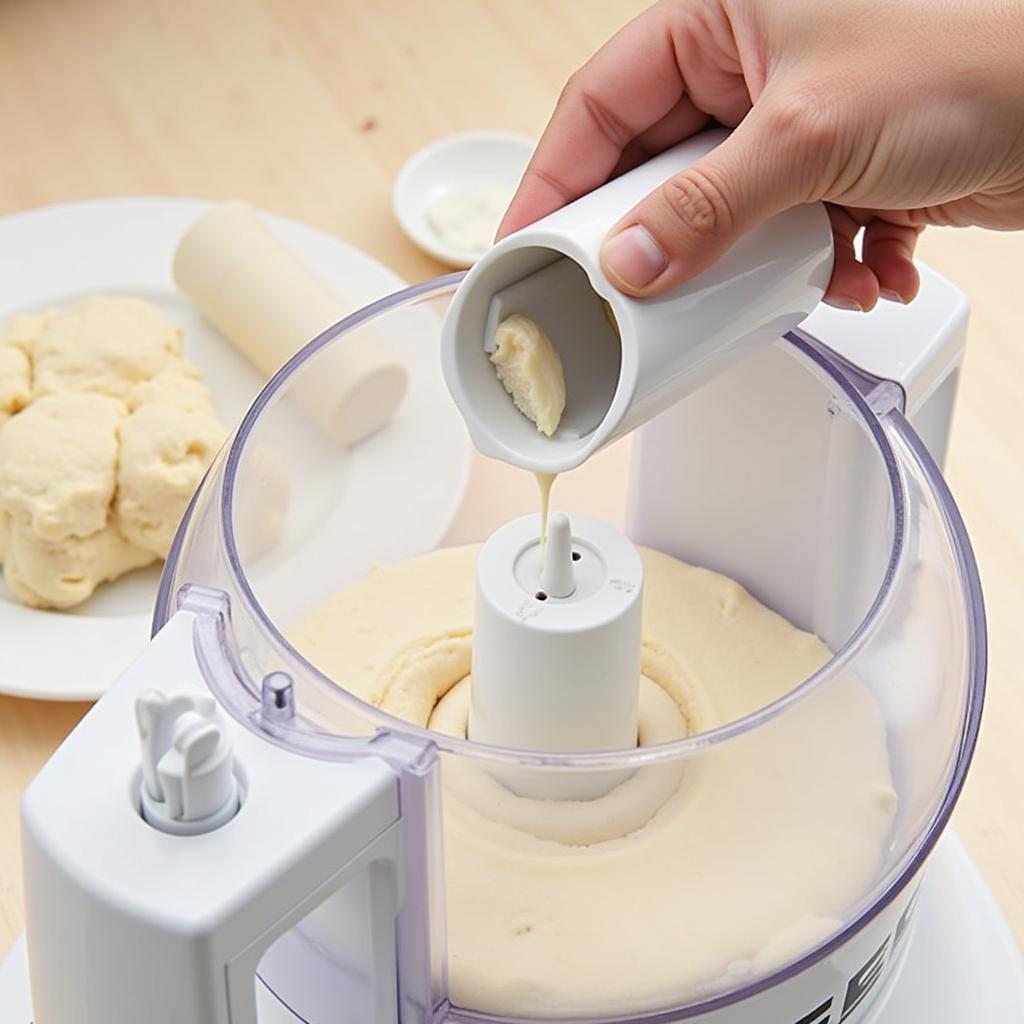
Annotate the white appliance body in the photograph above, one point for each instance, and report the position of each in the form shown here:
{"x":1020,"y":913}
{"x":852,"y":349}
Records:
{"x":127,"y":923}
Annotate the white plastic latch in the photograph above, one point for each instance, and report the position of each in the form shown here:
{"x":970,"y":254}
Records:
{"x":189,"y":784}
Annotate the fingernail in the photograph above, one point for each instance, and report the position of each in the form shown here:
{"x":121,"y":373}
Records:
{"x":841,"y":302}
{"x":634,"y":257}
{"x":888,"y":293}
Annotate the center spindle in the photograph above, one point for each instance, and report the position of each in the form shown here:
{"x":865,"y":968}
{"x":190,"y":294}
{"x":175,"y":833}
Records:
{"x":556,"y":648}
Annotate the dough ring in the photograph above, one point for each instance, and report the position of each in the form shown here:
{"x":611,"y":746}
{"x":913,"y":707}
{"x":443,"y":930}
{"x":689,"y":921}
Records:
{"x":421,"y":673}
{"x":428,"y":683}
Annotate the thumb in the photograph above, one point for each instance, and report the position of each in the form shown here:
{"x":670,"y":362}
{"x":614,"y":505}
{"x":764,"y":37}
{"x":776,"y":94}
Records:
{"x":689,"y":221}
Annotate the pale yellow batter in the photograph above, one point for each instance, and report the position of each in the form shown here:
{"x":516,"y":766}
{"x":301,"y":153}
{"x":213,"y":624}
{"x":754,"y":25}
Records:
{"x":686,"y":879}
{"x":530,"y":369}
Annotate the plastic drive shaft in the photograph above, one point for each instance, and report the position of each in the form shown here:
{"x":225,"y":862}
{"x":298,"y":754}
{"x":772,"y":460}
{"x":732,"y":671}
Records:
{"x":557,"y":579}
{"x":188,"y":768}
{"x":556,"y":650}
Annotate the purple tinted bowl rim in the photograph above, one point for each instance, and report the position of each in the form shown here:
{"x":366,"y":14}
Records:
{"x":975,"y":621}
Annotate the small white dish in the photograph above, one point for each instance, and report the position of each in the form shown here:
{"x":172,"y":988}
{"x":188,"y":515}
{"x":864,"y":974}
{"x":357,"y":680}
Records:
{"x":467,"y":163}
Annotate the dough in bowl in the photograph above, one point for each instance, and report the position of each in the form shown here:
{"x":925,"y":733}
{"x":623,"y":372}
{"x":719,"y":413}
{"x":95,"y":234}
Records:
{"x":688,"y":878}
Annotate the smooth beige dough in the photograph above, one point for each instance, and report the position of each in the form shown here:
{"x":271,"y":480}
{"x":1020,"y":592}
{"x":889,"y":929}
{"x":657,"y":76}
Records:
{"x":58,"y":464}
{"x":105,"y":431}
{"x":686,"y":879}
{"x":165,"y":450}
{"x":104,"y":345}
{"x":15,"y":380}
{"x":179,"y":385}
{"x":530,"y":369}
{"x":47,"y":574}
{"x":23,"y":330}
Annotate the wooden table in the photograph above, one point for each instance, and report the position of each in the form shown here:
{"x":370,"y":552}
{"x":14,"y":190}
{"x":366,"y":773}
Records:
{"x":308,"y":108}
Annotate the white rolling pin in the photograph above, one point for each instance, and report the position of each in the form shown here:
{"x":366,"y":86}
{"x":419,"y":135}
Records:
{"x":268,"y":303}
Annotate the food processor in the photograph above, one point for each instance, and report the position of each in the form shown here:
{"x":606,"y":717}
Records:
{"x":233,"y":835}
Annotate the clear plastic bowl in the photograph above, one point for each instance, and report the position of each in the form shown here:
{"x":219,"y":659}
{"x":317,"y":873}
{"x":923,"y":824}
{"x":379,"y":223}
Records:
{"x":892,"y":587}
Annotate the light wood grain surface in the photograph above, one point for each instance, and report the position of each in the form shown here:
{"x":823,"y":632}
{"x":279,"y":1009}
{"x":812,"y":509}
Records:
{"x":308,"y":108}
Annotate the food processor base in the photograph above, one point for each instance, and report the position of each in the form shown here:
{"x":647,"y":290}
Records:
{"x":963,"y":963}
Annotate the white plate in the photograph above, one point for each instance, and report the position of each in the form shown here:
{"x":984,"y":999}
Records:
{"x":456,"y":164}
{"x":52,"y":256}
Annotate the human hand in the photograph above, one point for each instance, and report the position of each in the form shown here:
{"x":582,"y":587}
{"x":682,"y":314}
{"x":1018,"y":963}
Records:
{"x":897,"y":115}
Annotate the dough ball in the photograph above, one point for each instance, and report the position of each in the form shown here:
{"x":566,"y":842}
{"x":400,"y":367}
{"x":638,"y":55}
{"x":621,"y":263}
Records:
{"x":47,"y":574}
{"x":104,"y":345}
{"x":530,"y":370}
{"x":165,"y":450}
{"x":15,"y":380}
{"x":23,"y":330}
{"x":105,"y":431}
{"x":58,"y":463}
{"x":179,"y":385}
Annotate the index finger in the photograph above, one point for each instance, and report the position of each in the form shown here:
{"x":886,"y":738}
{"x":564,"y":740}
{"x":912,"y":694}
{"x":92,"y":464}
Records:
{"x":626,"y":87}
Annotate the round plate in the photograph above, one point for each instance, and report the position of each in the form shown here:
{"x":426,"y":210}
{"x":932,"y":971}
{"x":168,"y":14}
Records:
{"x":52,"y":256}
{"x":454,"y":164}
